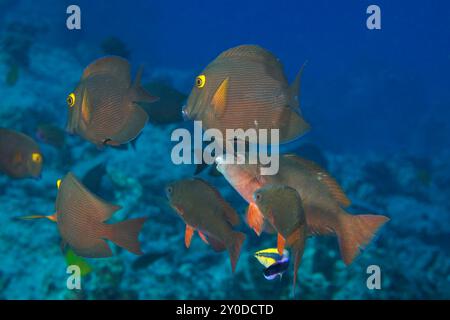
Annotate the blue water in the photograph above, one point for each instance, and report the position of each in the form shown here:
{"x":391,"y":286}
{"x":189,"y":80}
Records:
{"x":377,"y":101}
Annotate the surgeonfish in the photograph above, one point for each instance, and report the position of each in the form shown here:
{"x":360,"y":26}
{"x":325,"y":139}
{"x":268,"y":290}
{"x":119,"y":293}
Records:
{"x":104,"y":108}
{"x":20,"y":155}
{"x":245,"y":87}
{"x":81,"y":218}
{"x":322,"y":197}
{"x":204,"y":210}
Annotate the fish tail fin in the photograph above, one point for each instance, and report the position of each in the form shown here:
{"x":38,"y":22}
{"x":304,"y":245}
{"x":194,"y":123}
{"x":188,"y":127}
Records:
{"x":294,"y":90}
{"x":139,"y":94}
{"x":355,"y":232}
{"x":234,"y":248}
{"x":33,"y":217}
{"x":126,"y":234}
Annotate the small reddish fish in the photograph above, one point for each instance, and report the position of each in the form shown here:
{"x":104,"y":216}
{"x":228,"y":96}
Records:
{"x":282,"y":206}
{"x":204,"y":210}
{"x":20,"y":155}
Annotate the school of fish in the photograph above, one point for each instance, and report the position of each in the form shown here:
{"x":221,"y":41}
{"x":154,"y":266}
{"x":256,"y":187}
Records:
{"x":244,"y":87}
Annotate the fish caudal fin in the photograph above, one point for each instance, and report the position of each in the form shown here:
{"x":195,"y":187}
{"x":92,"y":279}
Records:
{"x":355,"y":232}
{"x":125,"y":234}
{"x":234,"y":248}
{"x":139,"y":94}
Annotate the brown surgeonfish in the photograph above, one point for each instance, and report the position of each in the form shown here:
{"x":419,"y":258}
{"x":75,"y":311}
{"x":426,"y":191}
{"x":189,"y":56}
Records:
{"x":20,"y":155}
{"x":323,"y":201}
{"x":282,"y":206}
{"x":81,"y":218}
{"x":104,"y":108}
{"x":204,"y":210}
{"x":245,"y":87}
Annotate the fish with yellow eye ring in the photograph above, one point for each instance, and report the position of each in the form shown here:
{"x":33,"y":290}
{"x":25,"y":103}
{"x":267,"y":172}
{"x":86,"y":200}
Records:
{"x":20,"y":155}
{"x":105,"y":107}
{"x":71,"y":99}
{"x":245,"y":87}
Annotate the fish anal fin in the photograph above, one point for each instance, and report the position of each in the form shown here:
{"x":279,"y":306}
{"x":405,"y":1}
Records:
{"x":220,"y":97}
{"x":280,"y":244}
{"x":255,"y":219}
{"x":188,"y":235}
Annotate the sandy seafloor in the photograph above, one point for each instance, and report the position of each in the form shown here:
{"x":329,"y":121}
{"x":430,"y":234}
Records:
{"x":412,"y":250}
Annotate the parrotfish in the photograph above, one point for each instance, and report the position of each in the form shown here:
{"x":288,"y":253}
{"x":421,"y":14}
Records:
{"x":204,"y":210}
{"x":322,"y":197}
{"x":20,"y":155}
{"x":282,"y":206}
{"x":81,"y":218}
{"x":275,"y":264}
{"x":245,"y":87}
{"x":104,"y":108}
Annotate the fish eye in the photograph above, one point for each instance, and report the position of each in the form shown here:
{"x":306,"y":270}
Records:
{"x":36,"y":157}
{"x":200,"y":81}
{"x":258,"y":196}
{"x":169,"y":190}
{"x":71,"y":100}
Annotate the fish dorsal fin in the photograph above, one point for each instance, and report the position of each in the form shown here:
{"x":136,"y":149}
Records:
{"x":250,"y":51}
{"x":324,"y":177}
{"x":112,"y":65}
{"x":294,"y":90}
{"x":220,"y":97}
{"x":229,"y":213}
{"x":71,"y":193}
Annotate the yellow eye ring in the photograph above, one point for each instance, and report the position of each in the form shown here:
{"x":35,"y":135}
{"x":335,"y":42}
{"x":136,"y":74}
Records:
{"x":200,"y":81}
{"x":36,"y":157}
{"x":71,"y":100}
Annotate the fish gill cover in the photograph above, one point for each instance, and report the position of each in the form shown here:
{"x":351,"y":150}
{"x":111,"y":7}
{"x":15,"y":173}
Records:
{"x":376,"y":101}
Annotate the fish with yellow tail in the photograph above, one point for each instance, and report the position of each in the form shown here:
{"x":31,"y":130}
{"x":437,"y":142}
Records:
{"x":282,"y":207}
{"x":104,"y":108}
{"x":20,"y":155}
{"x":245,"y":87}
{"x":322,"y":197}
{"x":204,"y":210}
{"x":81,"y":219}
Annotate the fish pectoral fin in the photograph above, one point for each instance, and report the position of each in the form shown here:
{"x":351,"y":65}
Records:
{"x":203,"y":237}
{"x":280,"y":244}
{"x":188,"y":235}
{"x":255,"y":219}
{"x":220,"y":97}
